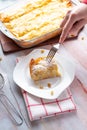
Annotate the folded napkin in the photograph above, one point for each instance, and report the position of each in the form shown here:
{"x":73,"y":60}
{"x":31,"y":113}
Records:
{"x":42,"y":108}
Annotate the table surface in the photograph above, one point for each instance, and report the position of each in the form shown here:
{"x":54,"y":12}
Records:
{"x":68,"y":121}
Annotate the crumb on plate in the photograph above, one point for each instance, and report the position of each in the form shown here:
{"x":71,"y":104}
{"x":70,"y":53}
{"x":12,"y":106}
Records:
{"x":41,"y":87}
{"x":42,"y":51}
{"x":49,"y":85}
{"x":52,"y":93}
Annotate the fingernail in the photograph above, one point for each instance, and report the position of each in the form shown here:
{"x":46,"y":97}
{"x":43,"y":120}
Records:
{"x":60,"y":41}
{"x":70,"y":36}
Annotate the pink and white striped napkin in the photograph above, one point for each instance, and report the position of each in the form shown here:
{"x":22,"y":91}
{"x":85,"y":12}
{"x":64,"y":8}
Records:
{"x":42,"y":108}
{"x":39,"y":108}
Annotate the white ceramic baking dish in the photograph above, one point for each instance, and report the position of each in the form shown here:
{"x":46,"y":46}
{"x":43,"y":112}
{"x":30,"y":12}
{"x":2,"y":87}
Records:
{"x":33,"y":42}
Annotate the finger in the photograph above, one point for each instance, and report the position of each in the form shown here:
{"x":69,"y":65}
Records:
{"x":67,"y":27}
{"x":77,"y":28}
{"x":65,"y":19}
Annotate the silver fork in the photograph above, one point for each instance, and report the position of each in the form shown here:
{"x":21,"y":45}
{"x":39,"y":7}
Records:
{"x":76,"y":2}
{"x":52,"y":52}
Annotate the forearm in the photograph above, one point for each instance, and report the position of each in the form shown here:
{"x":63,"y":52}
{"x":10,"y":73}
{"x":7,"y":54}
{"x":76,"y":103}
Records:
{"x":84,"y":1}
{"x":74,"y":21}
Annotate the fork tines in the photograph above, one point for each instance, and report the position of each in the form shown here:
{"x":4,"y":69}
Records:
{"x":51,"y":54}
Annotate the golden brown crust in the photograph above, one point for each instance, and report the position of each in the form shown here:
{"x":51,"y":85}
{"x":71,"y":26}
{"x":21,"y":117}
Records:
{"x":39,"y":69}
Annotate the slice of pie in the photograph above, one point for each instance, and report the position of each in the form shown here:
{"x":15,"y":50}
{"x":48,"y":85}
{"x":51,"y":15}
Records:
{"x":40,"y":69}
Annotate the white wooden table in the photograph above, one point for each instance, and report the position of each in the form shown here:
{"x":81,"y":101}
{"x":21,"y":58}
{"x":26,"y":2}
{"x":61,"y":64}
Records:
{"x":69,"y":121}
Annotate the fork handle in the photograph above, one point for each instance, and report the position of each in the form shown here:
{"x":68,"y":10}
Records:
{"x":57,"y":45}
{"x":76,"y":2}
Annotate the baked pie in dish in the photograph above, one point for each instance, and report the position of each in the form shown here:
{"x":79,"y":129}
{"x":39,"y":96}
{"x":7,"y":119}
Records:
{"x":40,"y":69}
{"x":35,"y":18}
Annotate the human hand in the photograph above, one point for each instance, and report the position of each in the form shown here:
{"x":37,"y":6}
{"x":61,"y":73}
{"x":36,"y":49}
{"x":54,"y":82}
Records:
{"x":73,"y":22}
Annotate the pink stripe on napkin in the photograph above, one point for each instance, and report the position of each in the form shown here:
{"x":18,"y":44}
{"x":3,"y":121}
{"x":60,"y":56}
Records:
{"x":39,"y":108}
